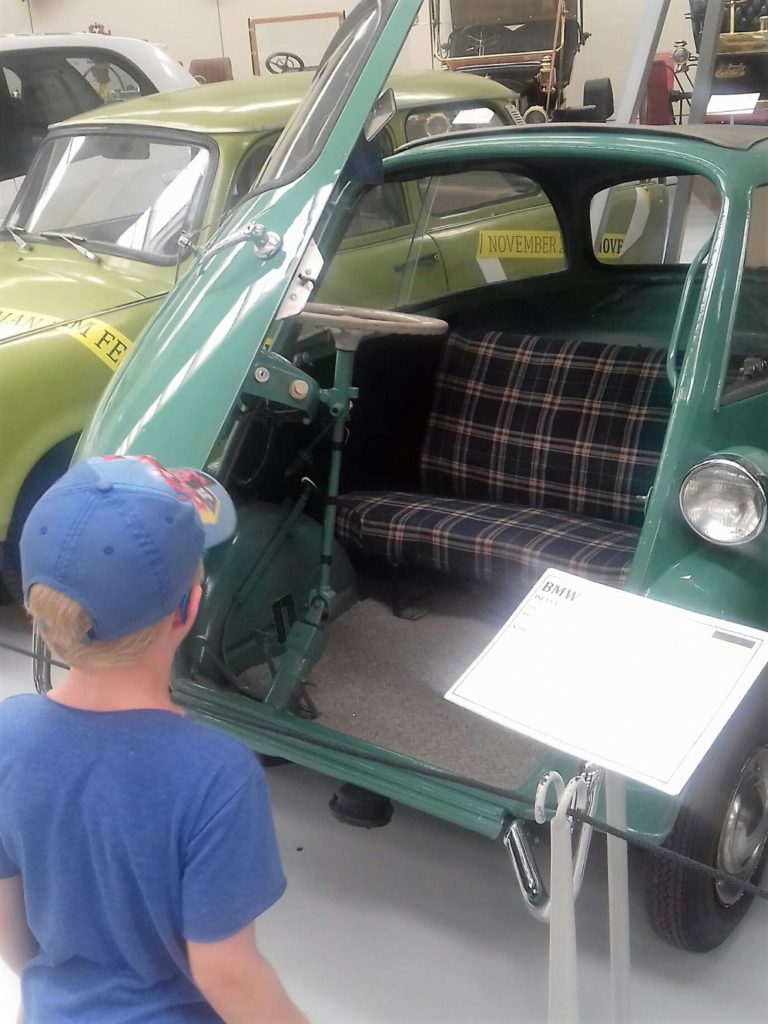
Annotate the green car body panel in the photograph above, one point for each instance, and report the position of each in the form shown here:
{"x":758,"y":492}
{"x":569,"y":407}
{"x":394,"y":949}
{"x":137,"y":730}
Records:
{"x":180,"y":392}
{"x":50,"y":378}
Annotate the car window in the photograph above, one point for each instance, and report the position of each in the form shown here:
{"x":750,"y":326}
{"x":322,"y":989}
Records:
{"x":470,"y":230}
{"x":381,"y":209}
{"x":632,"y":223}
{"x":455,"y":117}
{"x":491,"y":226}
{"x":41,"y":87}
{"x":250,"y":168}
{"x":472,"y":190}
{"x":120,"y":191}
{"x":316,"y":115}
{"x":109,"y":77}
{"x":38,"y":89}
{"x":747,"y":372}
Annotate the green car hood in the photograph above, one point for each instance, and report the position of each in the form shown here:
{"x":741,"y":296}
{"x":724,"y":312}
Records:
{"x":49,"y":284}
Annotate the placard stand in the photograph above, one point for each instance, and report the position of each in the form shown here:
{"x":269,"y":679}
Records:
{"x":618,"y":898}
{"x":591,"y":667}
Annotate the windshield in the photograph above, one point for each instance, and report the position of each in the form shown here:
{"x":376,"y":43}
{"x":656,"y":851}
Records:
{"x":120,"y":191}
{"x":314,"y":119}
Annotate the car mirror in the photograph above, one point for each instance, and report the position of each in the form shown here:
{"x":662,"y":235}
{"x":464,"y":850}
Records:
{"x":383,"y":111}
{"x":116,"y":147}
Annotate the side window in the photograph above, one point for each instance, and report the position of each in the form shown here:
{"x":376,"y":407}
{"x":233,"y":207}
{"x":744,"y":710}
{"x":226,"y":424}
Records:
{"x":492,"y":226}
{"x":11,"y":162}
{"x":468,"y":231}
{"x":250,"y":168}
{"x":472,"y":190}
{"x":631,"y":221}
{"x":747,"y":372}
{"x":108,"y":76}
{"x":381,"y":209}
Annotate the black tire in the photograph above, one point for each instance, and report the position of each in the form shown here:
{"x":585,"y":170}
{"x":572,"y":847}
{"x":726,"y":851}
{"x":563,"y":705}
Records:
{"x":52,"y":465}
{"x":598,"y":93}
{"x":686,"y":908}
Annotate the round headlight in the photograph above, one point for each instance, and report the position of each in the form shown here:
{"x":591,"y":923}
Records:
{"x":724,"y":500}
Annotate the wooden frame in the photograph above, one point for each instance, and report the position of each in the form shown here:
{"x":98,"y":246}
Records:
{"x":254,"y":22}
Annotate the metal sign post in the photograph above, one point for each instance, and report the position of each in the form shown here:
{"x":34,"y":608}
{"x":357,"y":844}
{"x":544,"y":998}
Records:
{"x":618,"y":898}
{"x":592,"y":666}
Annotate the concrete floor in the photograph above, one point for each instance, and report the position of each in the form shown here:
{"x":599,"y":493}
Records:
{"x":421,"y":923}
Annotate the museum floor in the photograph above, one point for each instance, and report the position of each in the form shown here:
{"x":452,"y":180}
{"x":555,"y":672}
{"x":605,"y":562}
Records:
{"x":422,"y":923}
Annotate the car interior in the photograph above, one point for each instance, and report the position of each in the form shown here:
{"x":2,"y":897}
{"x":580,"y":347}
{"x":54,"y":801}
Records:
{"x":525,"y":437}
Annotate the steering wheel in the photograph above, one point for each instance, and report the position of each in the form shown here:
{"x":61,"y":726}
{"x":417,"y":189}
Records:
{"x":353,"y":322}
{"x":282,"y":62}
{"x":478,"y":40}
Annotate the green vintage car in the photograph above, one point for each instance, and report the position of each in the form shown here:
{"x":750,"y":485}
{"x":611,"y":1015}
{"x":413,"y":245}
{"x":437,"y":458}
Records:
{"x":91,"y":246}
{"x":512,"y":394}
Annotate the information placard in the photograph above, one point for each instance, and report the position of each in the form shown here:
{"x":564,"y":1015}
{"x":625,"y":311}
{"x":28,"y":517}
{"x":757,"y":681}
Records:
{"x":639,"y":687}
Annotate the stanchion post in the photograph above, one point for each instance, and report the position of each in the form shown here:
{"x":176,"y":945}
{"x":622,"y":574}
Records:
{"x":618,"y":898}
{"x":563,"y":955}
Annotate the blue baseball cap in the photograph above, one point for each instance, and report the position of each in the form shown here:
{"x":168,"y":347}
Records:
{"x":123,"y":536}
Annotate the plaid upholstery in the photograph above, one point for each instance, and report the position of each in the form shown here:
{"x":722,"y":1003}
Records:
{"x":547,"y":423}
{"x":537,"y":454}
{"x":482,"y":541}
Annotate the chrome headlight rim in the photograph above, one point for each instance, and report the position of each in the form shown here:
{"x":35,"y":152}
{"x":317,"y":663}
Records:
{"x":754,"y":474}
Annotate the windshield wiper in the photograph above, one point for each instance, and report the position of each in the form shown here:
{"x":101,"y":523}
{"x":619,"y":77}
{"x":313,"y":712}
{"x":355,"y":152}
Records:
{"x":17,"y":237}
{"x":75,"y":241}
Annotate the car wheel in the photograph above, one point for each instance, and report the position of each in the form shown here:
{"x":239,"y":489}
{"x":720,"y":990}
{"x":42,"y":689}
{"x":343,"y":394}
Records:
{"x":52,"y":465}
{"x":724,"y":823}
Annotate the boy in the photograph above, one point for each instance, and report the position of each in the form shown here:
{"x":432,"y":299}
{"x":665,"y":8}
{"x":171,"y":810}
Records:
{"x":136,"y":845}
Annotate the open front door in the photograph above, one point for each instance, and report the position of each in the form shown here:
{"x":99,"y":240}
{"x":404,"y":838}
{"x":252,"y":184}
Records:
{"x":206,"y":334}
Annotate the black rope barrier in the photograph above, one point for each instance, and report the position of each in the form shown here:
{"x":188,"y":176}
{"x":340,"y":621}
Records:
{"x":664,"y":853}
{"x":28,"y":654}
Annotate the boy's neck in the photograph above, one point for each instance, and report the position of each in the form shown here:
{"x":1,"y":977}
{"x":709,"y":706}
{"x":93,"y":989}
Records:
{"x":123,"y":689}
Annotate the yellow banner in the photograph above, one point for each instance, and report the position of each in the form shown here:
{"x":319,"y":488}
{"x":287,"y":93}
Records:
{"x":106,"y":343}
{"x":611,"y":247}
{"x":519,"y":245}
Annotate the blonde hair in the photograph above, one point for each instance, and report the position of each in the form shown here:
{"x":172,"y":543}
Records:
{"x":64,"y":625}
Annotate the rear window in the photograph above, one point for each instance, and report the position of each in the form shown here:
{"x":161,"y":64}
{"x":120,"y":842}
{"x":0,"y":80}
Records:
{"x":644,"y":222}
{"x":38,"y":88}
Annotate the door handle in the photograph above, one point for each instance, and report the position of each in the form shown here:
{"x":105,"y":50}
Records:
{"x":420,"y":261}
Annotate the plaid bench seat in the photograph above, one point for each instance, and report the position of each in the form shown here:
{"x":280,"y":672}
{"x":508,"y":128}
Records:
{"x":538,"y":453}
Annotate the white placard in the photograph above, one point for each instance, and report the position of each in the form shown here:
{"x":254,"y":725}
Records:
{"x":636,"y":686}
{"x":741,"y":103}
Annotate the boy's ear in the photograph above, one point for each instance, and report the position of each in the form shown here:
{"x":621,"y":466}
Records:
{"x":186,"y":613}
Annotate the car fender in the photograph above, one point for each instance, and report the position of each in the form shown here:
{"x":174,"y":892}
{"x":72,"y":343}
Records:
{"x":50,"y":382}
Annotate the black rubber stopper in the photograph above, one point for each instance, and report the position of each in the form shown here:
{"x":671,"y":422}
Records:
{"x":356,"y":806}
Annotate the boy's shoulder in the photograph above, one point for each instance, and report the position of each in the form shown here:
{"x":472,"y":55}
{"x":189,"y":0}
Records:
{"x":210,"y":742}
{"x":176,"y":733}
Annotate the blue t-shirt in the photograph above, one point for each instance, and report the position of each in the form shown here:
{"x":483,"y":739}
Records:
{"x":132,"y":831}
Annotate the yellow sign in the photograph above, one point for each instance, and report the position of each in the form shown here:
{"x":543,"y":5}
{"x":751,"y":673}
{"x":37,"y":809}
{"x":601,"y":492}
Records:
{"x":611,"y":247}
{"x":538,"y":245}
{"x":519,"y":245}
{"x":105,"y":342}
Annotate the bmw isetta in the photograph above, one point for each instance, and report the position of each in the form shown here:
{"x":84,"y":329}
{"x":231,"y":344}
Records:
{"x":432,"y":433}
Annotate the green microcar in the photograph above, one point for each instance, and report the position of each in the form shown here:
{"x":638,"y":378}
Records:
{"x":556,"y":355}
